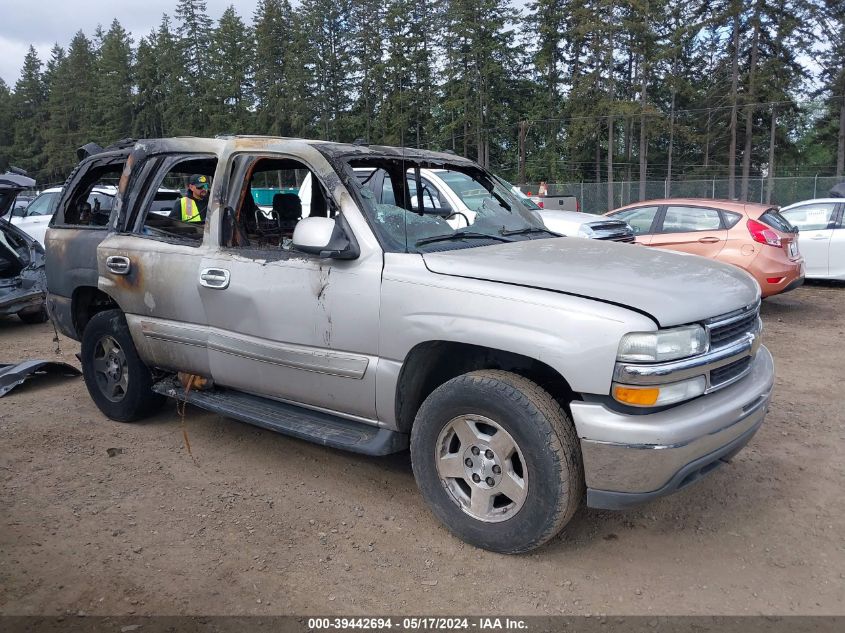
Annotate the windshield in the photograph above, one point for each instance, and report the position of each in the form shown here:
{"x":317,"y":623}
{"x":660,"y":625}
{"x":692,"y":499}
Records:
{"x":43,"y":204}
{"x":410,"y":212}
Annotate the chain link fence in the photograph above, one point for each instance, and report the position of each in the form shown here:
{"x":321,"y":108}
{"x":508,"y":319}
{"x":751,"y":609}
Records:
{"x":593,"y":196}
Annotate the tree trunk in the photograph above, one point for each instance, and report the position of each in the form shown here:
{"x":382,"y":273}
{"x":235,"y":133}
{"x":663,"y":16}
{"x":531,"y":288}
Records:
{"x":610,"y":204}
{"x":523,"y":132}
{"x":643,"y":141}
{"x":840,"y":153}
{"x":749,"y":108}
{"x":770,"y":183}
{"x":734,"y":81}
{"x":671,"y":143}
{"x":598,"y":153}
{"x":707,"y":141}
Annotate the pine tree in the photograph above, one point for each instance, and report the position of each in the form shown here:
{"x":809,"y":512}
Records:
{"x":193,"y":39}
{"x":6,"y":131}
{"x":149,"y":100}
{"x":327,"y":31}
{"x":27,"y":106}
{"x":71,"y":108}
{"x":407,"y":111}
{"x":114,"y":84}
{"x":833,"y":78}
{"x":368,"y":17}
{"x":230,"y":68}
{"x":479,"y":50}
{"x":274,"y":52}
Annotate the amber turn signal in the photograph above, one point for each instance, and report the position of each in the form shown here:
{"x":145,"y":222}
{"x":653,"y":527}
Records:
{"x":642,"y":397}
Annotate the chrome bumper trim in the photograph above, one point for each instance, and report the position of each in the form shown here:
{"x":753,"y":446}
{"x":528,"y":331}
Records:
{"x":641,"y":453}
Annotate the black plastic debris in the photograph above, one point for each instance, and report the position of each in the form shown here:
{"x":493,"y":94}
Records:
{"x":13,"y":375}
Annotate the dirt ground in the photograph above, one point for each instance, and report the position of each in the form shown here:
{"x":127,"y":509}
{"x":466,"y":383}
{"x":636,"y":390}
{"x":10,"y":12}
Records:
{"x":259,"y":523}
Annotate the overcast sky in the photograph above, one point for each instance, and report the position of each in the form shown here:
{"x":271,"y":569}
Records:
{"x":45,"y":22}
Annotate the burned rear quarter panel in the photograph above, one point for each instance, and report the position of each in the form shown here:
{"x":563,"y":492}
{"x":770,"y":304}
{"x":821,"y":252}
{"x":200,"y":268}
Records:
{"x":577,"y":337}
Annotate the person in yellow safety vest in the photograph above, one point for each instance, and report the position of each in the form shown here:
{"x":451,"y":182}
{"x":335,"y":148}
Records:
{"x":192,"y":207}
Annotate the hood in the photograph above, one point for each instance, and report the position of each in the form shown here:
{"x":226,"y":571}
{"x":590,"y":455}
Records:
{"x":10,"y":185}
{"x":673,"y":288}
{"x":570,"y":216}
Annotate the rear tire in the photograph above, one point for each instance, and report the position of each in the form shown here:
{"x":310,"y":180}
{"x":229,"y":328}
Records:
{"x":119,"y":382}
{"x":34,"y":318}
{"x":498,"y":461}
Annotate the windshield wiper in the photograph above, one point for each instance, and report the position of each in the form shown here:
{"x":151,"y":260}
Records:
{"x":459,"y":235}
{"x":528,"y":229}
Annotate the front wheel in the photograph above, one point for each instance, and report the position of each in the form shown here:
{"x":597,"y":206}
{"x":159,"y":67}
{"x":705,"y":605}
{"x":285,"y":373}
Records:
{"x":117,"y":379}
{"x":497,"y":460}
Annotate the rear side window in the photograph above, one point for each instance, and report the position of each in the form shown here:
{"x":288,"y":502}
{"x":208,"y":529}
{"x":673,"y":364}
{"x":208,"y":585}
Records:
{"x":775,"y":220}
{"x":689,"y":219}
{"x":730,"y":218}
{"x":87,"y":207}
{"x":811,"y":217}
{"x":640,"y":219}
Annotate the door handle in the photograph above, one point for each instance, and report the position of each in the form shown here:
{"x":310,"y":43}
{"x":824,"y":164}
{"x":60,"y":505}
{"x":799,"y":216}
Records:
{"x":708,"y":240}
{"x":217,"y":278}
{"x":118,"y":264}
{"x":819,"y":237}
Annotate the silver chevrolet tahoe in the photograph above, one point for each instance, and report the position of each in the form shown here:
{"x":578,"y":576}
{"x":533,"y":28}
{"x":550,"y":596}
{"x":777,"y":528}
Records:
{"x":529,"y":374}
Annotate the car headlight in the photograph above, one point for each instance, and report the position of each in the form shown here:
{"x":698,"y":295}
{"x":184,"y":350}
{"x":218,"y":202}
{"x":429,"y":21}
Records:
{"x":659,"y":395}
{"x":585,"y":231}
{"x":680,"y":342}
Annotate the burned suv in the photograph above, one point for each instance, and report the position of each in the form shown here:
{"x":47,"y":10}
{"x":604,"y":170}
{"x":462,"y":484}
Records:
{"x":528,"y":373}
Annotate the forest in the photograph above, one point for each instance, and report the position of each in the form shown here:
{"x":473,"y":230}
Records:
{"x":554,"y":90}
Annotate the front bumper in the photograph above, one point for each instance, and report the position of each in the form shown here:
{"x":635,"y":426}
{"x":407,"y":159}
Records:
{"x":630,"y":459}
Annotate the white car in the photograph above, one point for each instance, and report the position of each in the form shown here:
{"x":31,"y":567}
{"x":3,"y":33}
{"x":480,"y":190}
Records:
{"x":821,"y":236}
{"x":36,"y":216}
{"x":459,"y":198}
{"x":577,"y":224}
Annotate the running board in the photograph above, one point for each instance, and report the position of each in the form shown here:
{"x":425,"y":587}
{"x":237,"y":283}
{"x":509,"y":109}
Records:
{"x":307,"y":424}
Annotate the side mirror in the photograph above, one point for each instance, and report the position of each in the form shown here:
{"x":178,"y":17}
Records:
{"x":325,"y":238}
{"x":20,"y":212}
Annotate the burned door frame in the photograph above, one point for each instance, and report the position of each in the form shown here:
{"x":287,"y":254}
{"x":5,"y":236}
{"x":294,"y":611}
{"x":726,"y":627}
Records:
{"x":71,"y":260}
{"x":158,"y":293}
{"x":291,"y":326}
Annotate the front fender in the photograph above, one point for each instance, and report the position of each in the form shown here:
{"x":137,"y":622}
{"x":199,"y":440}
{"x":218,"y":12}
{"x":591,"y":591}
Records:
{"x":576,"y":337}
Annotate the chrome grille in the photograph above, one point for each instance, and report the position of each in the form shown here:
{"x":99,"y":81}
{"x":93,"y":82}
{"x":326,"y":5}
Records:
{"x":726,"y":329}
{"x":734,"y":339}
{"x":729,"y":372}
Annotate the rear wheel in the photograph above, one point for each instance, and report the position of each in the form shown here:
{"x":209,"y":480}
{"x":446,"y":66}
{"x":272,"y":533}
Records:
{"x":119,"y":382}
{"x":34,"y":318}
{"x":498,"y":461}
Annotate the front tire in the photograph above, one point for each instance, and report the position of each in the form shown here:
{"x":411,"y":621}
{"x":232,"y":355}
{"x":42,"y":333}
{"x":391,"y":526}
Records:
{"x":119,"y":382}
{"x":497,"y":460}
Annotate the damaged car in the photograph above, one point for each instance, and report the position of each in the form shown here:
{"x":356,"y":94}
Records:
{"x":21,"y":258}
{"x":529,"y":374}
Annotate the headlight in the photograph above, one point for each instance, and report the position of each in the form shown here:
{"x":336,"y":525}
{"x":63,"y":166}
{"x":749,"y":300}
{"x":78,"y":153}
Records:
{"x":663,"y":345}
{"x":585,"y":231}
{"x":659,"y":395}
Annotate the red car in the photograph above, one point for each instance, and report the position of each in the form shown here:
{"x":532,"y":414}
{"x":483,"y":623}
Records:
{"x":755,"y":237}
